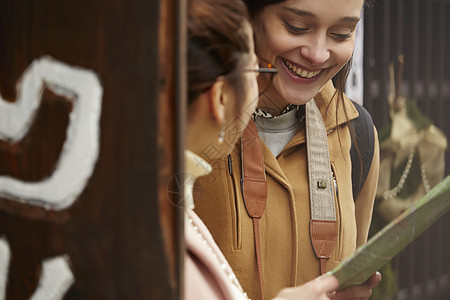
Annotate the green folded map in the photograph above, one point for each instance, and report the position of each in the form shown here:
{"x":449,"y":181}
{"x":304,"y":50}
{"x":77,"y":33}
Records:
{"x":393,"y":238}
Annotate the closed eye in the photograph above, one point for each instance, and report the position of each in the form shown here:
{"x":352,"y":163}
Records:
{"x":341,"y":36}
{"x":293,"y":29}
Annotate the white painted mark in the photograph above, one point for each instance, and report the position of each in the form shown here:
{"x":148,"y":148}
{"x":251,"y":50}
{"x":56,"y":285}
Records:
{"x":55,"y":280}
{"x":80,"y":150}
{"x":5,"y":256}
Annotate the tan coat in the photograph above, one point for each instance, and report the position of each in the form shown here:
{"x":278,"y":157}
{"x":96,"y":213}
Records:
{"x":287,"y":255}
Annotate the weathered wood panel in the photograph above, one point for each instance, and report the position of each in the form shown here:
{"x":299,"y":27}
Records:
{"x":104,"y":222}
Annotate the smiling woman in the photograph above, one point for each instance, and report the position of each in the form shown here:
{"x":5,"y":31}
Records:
{"x":309,"y":42}
{"x":310,"y":220}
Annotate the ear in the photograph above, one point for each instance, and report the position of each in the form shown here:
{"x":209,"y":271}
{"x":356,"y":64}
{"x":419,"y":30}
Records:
{"x":218,"y":101}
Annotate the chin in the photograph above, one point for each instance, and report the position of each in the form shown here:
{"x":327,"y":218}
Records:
{"x":300,"y":94}
{"x":298,"y":97}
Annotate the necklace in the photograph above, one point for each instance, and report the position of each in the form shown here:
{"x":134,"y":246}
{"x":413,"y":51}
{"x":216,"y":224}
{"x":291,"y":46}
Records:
{"x":259,"y":112}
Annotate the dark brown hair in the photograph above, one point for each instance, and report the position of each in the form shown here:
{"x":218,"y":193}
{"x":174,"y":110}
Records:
{"x":218,"y":45}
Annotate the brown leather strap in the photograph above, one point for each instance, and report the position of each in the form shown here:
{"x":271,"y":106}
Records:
{"x":258,"y":254}
{"x":323,"y":226}
{"x":322,"y":265}
{"x":253,"y":181}
{"x":254,"y":186}
{"x":323,"y":238}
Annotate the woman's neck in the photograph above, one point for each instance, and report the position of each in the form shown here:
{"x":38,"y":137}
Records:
{"x":271,"y":104}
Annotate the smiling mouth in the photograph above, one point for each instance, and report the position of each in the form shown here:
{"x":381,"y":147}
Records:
{"x":297,"y":71}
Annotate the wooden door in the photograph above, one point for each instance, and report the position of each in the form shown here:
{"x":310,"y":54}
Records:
{"x":87,"y":149}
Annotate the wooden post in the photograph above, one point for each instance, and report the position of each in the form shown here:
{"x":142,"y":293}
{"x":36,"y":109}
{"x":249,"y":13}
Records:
{"x":88,"y":145}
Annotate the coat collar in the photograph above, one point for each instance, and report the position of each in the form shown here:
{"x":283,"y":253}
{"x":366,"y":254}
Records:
{"x":195,"y":166}
{"x":333,"y":112}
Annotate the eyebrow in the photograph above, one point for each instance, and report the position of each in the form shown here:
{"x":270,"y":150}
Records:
{"x":304,"y":13}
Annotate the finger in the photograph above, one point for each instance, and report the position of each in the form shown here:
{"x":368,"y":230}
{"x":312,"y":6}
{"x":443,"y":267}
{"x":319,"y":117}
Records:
{"x":323,"y":276}
{"x":374,"y":280}
{"x":329,"y":284}
{"x":363,"y":291}
{"x":354,"y":292}
{"x":324,"y":287}
{"x":332,"y":295}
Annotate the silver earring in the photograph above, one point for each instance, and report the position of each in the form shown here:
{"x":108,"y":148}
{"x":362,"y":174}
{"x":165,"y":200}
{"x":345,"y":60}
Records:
{"x":221,"y":136}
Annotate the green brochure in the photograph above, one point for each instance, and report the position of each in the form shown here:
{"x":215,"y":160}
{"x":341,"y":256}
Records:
{"x":393,"y":238}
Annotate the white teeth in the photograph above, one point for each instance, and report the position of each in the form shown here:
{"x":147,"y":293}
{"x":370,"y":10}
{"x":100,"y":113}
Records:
{"x":300,"y":72}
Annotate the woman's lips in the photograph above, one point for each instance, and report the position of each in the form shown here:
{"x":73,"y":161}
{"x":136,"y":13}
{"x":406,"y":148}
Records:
{"x":298,"y":71}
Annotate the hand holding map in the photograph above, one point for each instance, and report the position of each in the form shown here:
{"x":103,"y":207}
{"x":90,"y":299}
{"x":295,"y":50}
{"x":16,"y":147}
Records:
{"x":393,"y":238}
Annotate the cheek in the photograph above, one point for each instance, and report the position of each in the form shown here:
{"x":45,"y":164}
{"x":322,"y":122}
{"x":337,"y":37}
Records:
{"x":253,"y":94}
{"x":250,"y":104}
{"x":273,"y":42}
{"x":344,"y":53}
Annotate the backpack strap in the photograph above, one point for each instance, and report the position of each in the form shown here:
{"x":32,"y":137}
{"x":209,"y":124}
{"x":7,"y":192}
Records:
{"x":365,"y":140}
{"x":323,"y":223}
{"x":254,"y":187}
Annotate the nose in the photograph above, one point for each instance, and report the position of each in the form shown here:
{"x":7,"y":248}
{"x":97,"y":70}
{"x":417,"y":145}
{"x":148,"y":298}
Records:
{"x":315,"y":50}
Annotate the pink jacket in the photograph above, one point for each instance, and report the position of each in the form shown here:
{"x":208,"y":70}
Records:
{"x":207,"y":273}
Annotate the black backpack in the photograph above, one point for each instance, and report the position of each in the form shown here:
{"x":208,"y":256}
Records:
{"x":365,"y":139}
